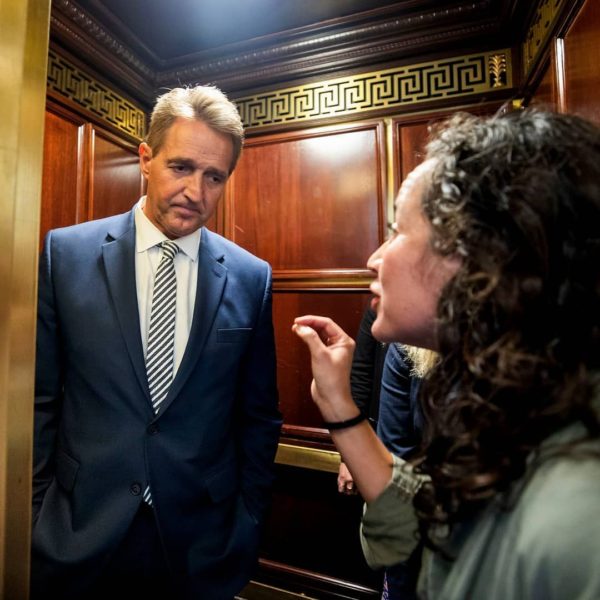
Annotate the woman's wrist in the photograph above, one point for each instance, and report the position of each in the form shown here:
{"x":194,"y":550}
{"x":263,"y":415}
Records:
{"x":346,"y":423}
{"x":338,"y":409}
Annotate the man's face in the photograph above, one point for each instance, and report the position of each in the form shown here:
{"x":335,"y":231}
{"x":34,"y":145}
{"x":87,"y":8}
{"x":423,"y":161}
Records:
{"x":186,"y":177}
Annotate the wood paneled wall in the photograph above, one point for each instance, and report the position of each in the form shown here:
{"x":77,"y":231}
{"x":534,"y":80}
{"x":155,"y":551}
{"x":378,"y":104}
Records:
{"x":313,"y":200}
{"x":62,"y":185}
{"x":89,"y":171}
{"x":582,"y":62}
{"x":546,"y":95}
{"x":571,"y":78}
{"x":311,"y":203}
{"x":116,"y":177}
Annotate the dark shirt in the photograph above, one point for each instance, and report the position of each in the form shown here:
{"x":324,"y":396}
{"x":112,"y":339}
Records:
{"x":367,"y":368}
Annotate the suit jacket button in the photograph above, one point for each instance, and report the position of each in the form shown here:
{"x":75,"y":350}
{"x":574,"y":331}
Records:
{"x":152,"y":429}
{"x":135,"y":489}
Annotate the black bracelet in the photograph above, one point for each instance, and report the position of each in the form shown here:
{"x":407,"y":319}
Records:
{"x":345,"y":424}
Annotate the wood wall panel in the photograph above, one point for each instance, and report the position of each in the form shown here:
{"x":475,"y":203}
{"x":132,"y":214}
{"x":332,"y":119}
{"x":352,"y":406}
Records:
{"x":546,"y":94}
{"x":412,"y":140}
{"x":312,"y":527}
{"x":117,"y":182}
{"x":293,"y":361}
{"x":62,"y":172}
{"x":88,"y":173}
{"x":311,"y":199}
{"x":582,"y":62}
{"x":410,"y":137}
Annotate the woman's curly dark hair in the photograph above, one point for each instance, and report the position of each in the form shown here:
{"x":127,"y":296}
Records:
{"x":517,"y":197}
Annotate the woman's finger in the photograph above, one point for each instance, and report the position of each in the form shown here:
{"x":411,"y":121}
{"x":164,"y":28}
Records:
{"x":329,"y":331}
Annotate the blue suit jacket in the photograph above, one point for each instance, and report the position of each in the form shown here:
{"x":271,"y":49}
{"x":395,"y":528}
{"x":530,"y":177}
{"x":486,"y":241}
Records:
{"x":208,"y":455}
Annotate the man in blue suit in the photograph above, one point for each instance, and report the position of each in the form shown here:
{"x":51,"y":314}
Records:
{"x":156,"y":493}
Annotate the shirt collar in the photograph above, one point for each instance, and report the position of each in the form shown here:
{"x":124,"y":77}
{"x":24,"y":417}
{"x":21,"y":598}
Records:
{"x":147,"y":235}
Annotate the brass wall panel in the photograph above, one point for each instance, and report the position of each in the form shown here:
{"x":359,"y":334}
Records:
{"x":80,"y":87}
{"x":24,"y":36}
{"x":399,"y":87}
{"x":308,"y":458}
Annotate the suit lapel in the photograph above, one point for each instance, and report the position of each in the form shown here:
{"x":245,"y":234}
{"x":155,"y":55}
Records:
{"x":119,"y":262}
{"x":212,"y":275}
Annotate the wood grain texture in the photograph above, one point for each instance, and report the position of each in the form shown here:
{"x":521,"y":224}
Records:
{"x":312,"y":527}
{"x":293,"y":360}
{"x":582,"y":62}
{"x":117,"y":182}
{"x":412,"y":139}
{"x":62,"y":170}
{"x":310,"y":200}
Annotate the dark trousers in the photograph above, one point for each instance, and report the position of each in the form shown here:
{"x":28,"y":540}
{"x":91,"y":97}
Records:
{"x":138,"y":566}
{"x":401,"y":580}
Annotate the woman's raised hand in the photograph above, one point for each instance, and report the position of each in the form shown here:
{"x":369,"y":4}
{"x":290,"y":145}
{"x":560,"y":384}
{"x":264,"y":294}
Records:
{"x":331,"y":351}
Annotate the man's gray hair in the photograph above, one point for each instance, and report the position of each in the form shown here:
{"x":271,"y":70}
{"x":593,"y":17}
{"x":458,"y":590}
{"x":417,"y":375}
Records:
{"x":205,"y":103}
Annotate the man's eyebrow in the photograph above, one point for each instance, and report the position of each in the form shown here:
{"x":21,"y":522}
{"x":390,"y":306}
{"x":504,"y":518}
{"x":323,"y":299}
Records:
{"x":180,"y":160}
{"x":191,"y":164}
{"x":218,"y":172}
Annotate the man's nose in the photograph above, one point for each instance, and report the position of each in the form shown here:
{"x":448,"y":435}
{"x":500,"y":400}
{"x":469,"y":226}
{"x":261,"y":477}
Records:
{"x":194,"y":187}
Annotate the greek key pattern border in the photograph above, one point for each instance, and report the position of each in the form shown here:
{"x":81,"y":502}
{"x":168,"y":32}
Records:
{"x":545,"y":15}
{"x":84,"y":90}
{"x":391,"y":88}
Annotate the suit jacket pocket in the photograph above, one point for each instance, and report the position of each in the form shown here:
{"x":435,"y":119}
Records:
{"x":222,"y":484}
{"x":233,"y":336}
{"x":66,"y":470}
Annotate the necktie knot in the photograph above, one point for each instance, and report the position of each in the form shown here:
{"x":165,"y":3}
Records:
{"x":170,"y":249}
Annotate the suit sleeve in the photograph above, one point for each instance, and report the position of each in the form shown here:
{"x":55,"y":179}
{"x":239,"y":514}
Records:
{"x":260,"y":419}
{"x":48,"y":381}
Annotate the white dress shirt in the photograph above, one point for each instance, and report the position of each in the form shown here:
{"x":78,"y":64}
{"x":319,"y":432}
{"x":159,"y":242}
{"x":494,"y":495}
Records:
{"x":147,"y":257}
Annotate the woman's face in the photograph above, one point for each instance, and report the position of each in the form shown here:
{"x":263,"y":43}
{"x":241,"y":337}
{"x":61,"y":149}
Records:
{"x":409,"y":275}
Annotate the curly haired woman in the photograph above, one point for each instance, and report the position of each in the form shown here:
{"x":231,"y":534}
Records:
{"x":495,"y":264}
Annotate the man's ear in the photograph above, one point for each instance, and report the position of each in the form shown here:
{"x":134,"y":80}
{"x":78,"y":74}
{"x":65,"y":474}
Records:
{"x":145,"y":153}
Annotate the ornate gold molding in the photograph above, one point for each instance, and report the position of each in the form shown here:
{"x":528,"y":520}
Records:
{"x":80,"y":87}
{"x":545,"y":15}
{"x":398,"y":87}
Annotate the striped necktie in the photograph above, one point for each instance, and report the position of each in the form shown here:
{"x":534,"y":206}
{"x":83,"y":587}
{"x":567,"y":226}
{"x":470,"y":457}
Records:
{"x":161,"y":333}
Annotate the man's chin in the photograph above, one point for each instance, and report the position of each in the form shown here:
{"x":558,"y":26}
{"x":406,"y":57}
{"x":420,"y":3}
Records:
{"x":182,"y":227}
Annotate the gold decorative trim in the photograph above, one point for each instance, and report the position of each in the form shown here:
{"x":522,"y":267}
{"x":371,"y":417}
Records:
{"x":308,"y":458}
{"x":498,"y":70}
{"x":546,"y":14}
{"x":392,"y":175}
{"x":78,"y":86}
{"x":330,"y":279}
{"x":407,"y":85}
